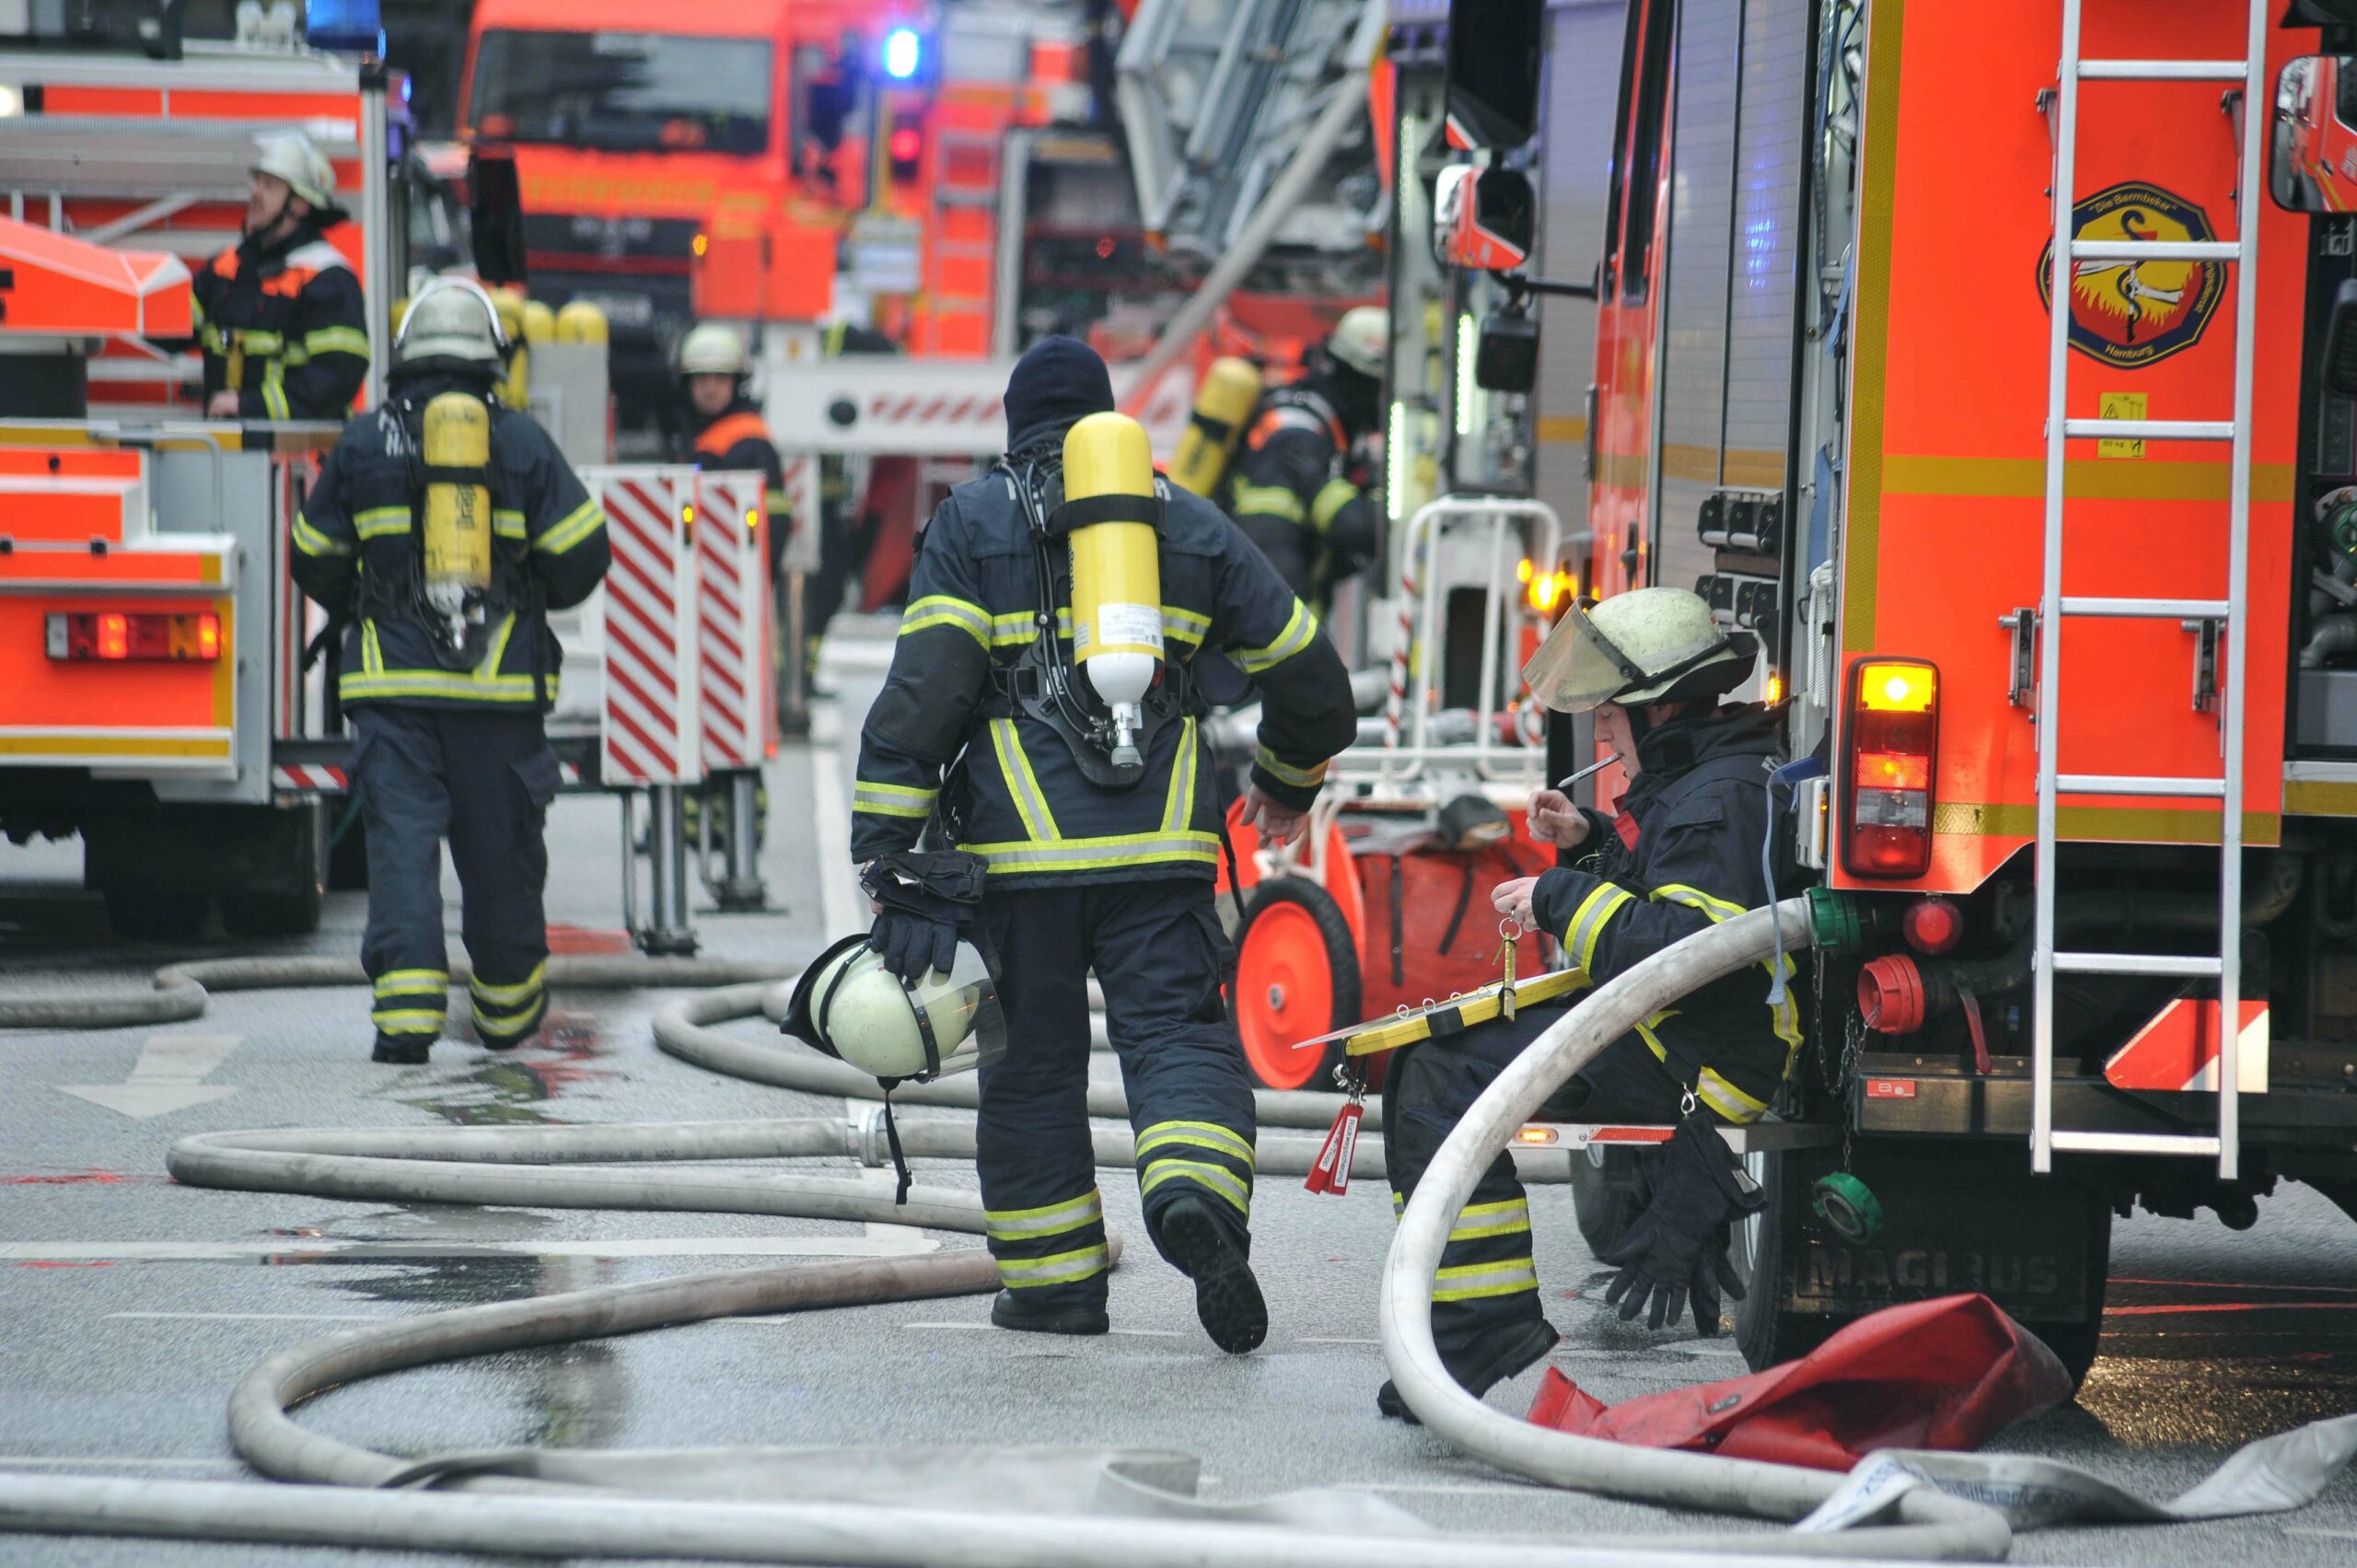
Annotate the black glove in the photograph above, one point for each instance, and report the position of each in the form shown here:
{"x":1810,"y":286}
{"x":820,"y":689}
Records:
{"x":928,"y":899}
{"x":1678,"y":1247}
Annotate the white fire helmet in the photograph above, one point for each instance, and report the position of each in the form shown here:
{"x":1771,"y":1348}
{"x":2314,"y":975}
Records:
{"x":1645,"y":646}
{"x":1359,"y":338}
{"x":289,"y":155}
{"x":849,"y":1005}
{"x":712,"y":348}
{"x":451,"y":318}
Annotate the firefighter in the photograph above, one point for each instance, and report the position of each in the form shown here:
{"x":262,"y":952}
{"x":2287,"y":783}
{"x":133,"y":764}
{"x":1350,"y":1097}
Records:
{"x":443,"y":527}
{"x":1079,"y":831}
{"x":1683,"y":853}
{"x":1290,"y":488}
{"x":279,"y":314}
{"x":728,"y":429}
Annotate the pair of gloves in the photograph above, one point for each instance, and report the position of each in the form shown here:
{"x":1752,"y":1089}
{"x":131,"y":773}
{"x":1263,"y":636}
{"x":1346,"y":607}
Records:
{"x":1676,"y":1251}
{"x":925,"y":903}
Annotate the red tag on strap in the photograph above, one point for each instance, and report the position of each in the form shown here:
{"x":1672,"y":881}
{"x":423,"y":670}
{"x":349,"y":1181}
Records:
{"x":1626,"y":826}
{"x":1331,"y":1171}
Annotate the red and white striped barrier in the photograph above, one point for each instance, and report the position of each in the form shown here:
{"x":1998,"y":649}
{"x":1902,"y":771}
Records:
{"x":649,"y":724}
{"x":310,"y":776}
{"x":731,"y":539}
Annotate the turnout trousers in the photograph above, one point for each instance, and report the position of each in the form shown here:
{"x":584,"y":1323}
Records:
{"x":1488,"y":1284}
{"x":483,"y":781}
{"x":1158,"y":953}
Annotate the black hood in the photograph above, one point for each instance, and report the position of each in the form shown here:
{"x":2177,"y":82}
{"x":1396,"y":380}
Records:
{"x":1056,"y":384}
{"x":1357,"y":400}
{"x":1668,"y":751}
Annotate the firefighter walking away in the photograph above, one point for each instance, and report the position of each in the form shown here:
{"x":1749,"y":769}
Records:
{"x":279,"y":314}
{"x":1683,"y":853}
{"x":442,"y":528}
{"x":1041,"y":735}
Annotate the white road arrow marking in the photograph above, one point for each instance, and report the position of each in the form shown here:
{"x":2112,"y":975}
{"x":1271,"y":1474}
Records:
{"x":169,"y":1077}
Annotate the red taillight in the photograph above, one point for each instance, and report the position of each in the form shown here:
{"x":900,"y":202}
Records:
{"x":1891,"y":754}
{"x":134,"y":636}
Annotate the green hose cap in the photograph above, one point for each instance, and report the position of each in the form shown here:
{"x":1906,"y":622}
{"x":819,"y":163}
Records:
{"x":1848,"y":1208}
{"x":1835,"y":917}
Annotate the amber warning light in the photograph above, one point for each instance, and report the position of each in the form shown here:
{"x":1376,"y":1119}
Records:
{"x":134,"y":636}
{"x":1891,"y":768}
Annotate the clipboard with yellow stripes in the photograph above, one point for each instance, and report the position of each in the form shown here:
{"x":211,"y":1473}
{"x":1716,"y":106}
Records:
{"x":1438,"y":1020}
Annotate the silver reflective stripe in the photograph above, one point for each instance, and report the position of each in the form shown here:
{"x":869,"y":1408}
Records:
{"x":1009,"y":1225}
{"x":1022,"y":784}
{"x":1476,"y":1279}
{"x":1090,"y":854}
{"x":1180,"y":807}
{"x":1017,"y":1274}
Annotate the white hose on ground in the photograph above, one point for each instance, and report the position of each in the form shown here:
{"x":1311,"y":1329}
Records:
{"x":1935,"y":1525}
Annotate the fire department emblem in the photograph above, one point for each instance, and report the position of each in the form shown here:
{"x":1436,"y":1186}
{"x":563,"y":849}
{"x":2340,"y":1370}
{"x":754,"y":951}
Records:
{"x":2131,"y":314}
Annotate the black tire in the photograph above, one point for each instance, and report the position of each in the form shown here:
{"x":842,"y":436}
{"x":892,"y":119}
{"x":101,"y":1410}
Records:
{"x":1256,"y":1017}
{"x":1764,"y":1333}
{"x":1604,"y":1195}
{"x":271,"y":915}
{"x":148,"y":914}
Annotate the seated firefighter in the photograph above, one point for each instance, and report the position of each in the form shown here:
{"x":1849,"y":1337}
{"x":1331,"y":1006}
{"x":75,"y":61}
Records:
{"x":1683,"y":853}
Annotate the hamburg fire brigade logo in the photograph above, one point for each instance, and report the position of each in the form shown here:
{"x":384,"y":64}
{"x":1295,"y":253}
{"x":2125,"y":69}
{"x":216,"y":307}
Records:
{"x":2131,"y":314}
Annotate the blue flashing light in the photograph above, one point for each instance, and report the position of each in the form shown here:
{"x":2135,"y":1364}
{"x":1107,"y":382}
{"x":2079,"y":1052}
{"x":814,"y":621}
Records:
{"x":351,"y":27}
{"x":904,"y":54}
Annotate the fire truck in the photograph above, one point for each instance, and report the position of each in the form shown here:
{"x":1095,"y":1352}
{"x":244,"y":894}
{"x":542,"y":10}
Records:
{"x":1998,"y":367}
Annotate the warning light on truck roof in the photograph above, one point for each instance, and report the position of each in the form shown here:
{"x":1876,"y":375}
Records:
{"x":903,"y":52}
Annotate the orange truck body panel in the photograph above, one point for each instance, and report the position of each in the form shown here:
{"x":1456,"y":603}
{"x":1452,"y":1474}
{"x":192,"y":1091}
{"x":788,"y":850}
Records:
{"x":1946,"y":461}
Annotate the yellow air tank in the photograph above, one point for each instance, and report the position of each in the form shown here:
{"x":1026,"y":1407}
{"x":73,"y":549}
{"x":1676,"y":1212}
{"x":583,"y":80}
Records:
{"x":457,"y":516}
{"x":1116,"y":571}
{"x":1224,"y":400}
{"x":581,"y":322}
{"x":538,"y":322}
{"x":514,"y":389}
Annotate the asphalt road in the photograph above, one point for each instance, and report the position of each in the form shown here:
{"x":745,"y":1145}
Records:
{"x":129,"y":1305}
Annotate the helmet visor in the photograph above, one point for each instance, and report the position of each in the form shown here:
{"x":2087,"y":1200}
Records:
{"x":958,"y":1014}
{"x":1578,"y":666}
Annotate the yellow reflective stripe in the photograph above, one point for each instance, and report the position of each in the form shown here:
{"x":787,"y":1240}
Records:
{"x":1653,"y":1041}
{"x":1098,"y":854}
{"x":311,"y":542}
{"x":1179,"y":806}
{"x":1022,"y":784}
{"x":1049,"y":1219}
{"x":1589,"y":920}
{"x":1727,"y":1100}
{"x":274,"y":390}
{"x":257,"y":343}
{"x":940,"y":609}
{"x":372,"y":654}
{"x":1399,"y":1203}
{"x":1301,"y":627}
{"x":377,"y":522}
{"x":1184,"y":625}
{"x":1474,"y":1280}
{"x":1062,"y":1268}
{"x":395,"y":982}
{"x":523,"y":990}
{"x":1269,"y":501}
{"x":1282,"y":771}
{"x":1017,"y":628}
{"x":575,"y":526}
{"x":509,"y":525}
{"x":892,"y":800}
{"x":1492,"y":1219}
{"x":511,"y":1020}
{"x":1695,"y":898}
{"x":1786,"y":1015}
{"x":408,"y":1020}
{"x":337,"y":340}
{"x":1206,"y":1134}
{"x":1213,"y":1178}
{"x":1336,"y":495}
{"x":393,"y":684}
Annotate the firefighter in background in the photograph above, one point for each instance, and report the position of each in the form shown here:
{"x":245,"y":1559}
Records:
{"x":1289,"y":488}
{"x":444,"y":527}
{"x":279,"y":314}
{"x":1079,"y":827}
{"x":1683,"y":853}
{"x":726,"y":430}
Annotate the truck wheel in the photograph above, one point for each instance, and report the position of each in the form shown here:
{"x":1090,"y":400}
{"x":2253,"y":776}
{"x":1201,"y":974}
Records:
{"x":1764,"y":1331}
{"x":1604,"y":1194}
{"x":1296,"y":977}
{"x":152,"y":915}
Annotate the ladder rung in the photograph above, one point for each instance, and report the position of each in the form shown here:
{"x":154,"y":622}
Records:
{"x":2152,"y":429}
{"x":2137,"y":963}
{"x":2135,"y":1143}
{"x":2138,"y":783}
{"x":2163,"y":70}
{"x":2157,"y":250}
{"x":2148,"y":609}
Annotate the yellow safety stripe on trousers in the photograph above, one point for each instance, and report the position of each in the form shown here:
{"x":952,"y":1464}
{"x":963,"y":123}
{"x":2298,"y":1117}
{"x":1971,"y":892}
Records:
{"x":311,"y":542}
{"x":1283,"y":771}
{"x":511,"y":1021}
{"x":1211,"y":1177}
{"x":1473,"y":1281}
{"x":1301,"y":629}
{"x":1022,"y":784}
{"x":381,"y":522}
{"x":336,"y":340}
{"x":1049,"y":1219}
{"x":1586,"y":928}
{"x":1399,"y":1203}
{"x":892,"y":800}
{"x":1269,"y":501}
{"x":408,"y":1020}
{"x":1061,"y":1268}
{"x":1502,"y":1218}
{"x":1205,"y":1134}
{"x":1097,"y":854}
{"x":523,"y":990}
{"x":575,"y":526}
{"x":1179,"y":806}
{"x":940,"y":609}
{"x":1786,"y":1012}
{"x":1184,"y":625}
{"x":1331,"y":497}
{"x":509,"y":525}
{"x":274,"y":390}
{"x":402,"y":982}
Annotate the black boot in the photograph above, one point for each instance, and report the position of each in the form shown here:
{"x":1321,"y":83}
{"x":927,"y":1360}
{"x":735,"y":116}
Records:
{"x":1499,"y":1354}
{"x":405,"y":1050}
{"x":1013,"y":1309}
{"x":1228,"y":1298}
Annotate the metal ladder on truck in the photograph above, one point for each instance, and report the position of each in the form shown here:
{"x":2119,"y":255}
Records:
{"x":2056,"y":608}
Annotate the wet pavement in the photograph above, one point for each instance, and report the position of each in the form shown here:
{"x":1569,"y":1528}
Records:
{"x":129,"y":1305}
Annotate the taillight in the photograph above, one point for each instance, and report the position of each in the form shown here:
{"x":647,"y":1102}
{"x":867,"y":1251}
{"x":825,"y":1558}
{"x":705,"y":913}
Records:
{"x":107,"y":635}
{"x":1892,"y":752}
